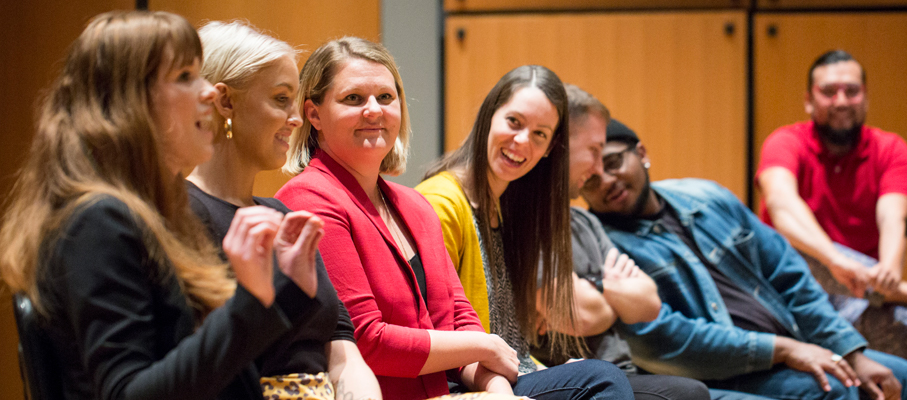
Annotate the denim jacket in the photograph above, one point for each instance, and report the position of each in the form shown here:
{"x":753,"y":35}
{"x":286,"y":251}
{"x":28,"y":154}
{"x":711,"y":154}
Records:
{"x":693,"y":335}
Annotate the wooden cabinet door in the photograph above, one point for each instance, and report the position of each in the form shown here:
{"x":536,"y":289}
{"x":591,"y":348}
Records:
{"x":828,"y":4}
{"x":535,"y":5}
{"x":786,"y":45}
{"x":678,"y":79}
{"x":305,"y":24}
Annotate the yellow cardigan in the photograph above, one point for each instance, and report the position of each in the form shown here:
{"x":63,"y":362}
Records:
{"x":460,"y":238}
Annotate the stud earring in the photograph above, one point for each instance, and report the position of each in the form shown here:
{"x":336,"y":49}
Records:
{"x":647,"y":165}
{"x":228,"y":125}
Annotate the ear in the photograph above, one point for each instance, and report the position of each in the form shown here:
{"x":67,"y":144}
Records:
{"x":808,"y":103}
{"x":311,"y":113}
{"x":222,"y":100}
{"x":641,"y":150}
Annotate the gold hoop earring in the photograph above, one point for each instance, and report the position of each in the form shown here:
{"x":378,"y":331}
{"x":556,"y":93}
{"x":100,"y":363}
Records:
{"x":228,"y":125}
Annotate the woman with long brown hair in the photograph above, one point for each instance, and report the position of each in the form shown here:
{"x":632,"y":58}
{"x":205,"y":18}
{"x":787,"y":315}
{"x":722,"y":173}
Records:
{"x":502,"y":199}
{"x":99,"y":234}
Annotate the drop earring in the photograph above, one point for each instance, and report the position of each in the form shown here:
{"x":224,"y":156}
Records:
{"x":228,"y":125}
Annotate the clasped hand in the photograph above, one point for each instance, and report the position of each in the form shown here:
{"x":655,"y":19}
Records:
{"x":256,"y":232}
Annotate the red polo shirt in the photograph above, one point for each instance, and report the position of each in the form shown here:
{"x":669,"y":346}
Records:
{"x":841,"y":191}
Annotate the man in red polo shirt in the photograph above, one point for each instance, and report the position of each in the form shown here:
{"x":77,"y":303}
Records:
{"x":833,"y":184}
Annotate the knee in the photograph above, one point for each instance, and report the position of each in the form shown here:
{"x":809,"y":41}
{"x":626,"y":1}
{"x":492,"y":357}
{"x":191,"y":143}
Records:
{"x":838,"y":390}
{"x":666,"y":387}
{"x":690,"y":389}
{"x":598,"y":368}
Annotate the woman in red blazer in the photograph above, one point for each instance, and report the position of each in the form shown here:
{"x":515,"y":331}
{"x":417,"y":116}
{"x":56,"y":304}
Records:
{"x":383,"y":246}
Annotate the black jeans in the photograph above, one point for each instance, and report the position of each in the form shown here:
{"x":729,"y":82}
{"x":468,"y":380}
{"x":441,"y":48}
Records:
{"x":667,"y":387}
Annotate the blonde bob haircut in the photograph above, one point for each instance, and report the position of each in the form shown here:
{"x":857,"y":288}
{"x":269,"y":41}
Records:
{"x":235,"y":52}
{"x":316,"y":79}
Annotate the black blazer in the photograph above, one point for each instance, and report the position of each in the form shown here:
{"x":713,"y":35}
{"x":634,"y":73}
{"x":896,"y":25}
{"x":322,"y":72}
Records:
{"x":121,"y":330}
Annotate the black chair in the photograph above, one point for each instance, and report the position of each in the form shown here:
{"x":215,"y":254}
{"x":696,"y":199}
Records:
{"x":37,"y":365}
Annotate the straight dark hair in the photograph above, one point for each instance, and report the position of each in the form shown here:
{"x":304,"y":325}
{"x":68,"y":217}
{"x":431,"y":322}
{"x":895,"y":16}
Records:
{"x":828,"y":58}
{"x":535,"y":208}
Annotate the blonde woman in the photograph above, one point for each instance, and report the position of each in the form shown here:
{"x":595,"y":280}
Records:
{"x":255,"y":77}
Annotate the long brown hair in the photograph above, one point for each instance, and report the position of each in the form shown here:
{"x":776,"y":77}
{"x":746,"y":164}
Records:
{"x":95,"y":137}
{"x":534,"y":208}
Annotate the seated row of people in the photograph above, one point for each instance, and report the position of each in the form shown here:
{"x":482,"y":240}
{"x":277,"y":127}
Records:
{"x":156,"y":286}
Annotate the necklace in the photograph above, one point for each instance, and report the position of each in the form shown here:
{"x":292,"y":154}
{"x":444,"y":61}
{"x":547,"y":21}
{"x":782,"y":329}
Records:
{"x":393,"y":227}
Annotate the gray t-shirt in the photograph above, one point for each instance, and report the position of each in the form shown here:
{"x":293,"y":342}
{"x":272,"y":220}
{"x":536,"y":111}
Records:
{"x":590,"y":247}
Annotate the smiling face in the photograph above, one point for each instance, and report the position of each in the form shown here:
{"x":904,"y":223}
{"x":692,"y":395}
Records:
{"x":181,"y":108}
{"x":521,"y":132}
{"x":265,"y":113}
{"x":837,"y":100}
{"x":359,"y":119}
{"x":587,"y":139}
{"x":624,"y":189}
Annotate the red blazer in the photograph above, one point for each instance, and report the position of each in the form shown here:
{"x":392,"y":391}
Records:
{"x":374,"y":280}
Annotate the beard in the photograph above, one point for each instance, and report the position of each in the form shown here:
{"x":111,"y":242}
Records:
{"x":627,"y":220}
{"x":845,"y":137}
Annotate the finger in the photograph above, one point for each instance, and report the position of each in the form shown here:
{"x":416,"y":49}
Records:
{"x":308,"y":239}
{"x":295,"y":221}
{"x":844,"y":365}
{"x":873,"y":390}
{"x":621,"y":265}
{"x":820,"y":376}
{"x":892,"y":388}
{"x":260,"y":239}
{"x":835,"y":370}
{"x":610,"y":259}
{"x":288,"y":231}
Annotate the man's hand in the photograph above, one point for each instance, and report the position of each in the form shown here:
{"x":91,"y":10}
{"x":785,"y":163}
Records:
{"x":877,"y":380}
{"x":618,"y":266}
{"x":814,"y":360}
{"x":850,"y":273}
{"x":884,"y":279}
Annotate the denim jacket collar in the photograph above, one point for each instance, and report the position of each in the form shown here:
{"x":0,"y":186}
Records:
{"x":687,"y":207}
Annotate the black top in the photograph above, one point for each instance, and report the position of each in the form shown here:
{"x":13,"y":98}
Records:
{"x":303,"y":350}
{"x":122,"y":330}
{"x":416,"y":264}
{"x":745,"y":310}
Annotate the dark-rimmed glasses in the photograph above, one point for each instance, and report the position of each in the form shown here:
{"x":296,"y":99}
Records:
{"x":614,"y":162}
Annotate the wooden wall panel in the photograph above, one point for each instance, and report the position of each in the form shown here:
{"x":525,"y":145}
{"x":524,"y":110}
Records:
{"x":536,"y":5}
{"x":35,"y":34}
{"x":302,"y":23}
{"x":782,"y":61}
{"x":678,"y":79}
{"x":828,"y":4}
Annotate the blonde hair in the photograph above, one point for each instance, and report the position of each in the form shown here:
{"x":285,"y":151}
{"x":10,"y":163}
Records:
{"x":316,"y":79}
{"x":234,"y":52}
{"x":96,"y":138}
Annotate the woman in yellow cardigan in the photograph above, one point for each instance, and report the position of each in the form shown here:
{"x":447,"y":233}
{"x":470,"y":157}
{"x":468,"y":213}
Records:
{"x":502,"y":200}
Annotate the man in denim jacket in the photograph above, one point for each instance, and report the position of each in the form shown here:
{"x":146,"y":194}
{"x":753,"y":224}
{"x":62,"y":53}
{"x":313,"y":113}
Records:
{"x":740,"y":310}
